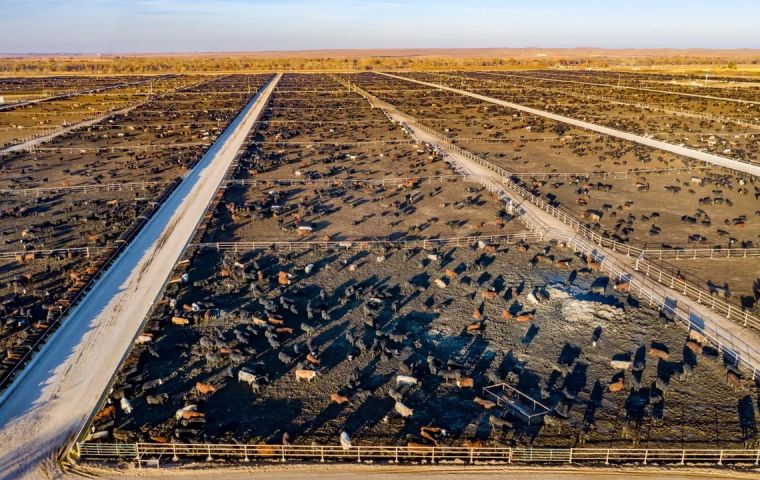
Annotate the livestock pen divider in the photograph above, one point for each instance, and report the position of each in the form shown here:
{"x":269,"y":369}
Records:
{"x":397,"y":454}
{"x":368,"y":244}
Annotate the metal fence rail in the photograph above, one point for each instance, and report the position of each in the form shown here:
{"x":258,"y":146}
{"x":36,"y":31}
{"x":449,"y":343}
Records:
{"x":369,"y":244}
{"x":342,"y":181}
{"x":92,"y":187}
{"x":689,"y":253}
{"x":623,"y":174}
{"x":398,"y":454}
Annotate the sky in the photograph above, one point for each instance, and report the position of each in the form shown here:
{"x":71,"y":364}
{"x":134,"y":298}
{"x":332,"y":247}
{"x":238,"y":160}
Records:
{"x":144,"y":26}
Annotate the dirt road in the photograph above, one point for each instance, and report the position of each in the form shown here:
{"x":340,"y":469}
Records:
{"x":50,"y":402}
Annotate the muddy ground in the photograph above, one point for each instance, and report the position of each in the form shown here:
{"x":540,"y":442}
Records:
{"x":428,"y":320}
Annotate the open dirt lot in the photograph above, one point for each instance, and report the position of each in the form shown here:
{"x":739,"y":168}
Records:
{"x":394,"y":346}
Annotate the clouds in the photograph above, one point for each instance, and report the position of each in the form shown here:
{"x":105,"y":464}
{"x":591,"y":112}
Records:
{"x":108,"y":26}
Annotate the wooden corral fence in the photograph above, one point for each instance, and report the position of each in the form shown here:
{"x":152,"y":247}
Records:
{"x":690,"y":253}
{"x":370,"y":244}
{"x":120,"y":148}
{"x":130,"y":186}
{"x":399,"y":454}
{"x":366,"y":143}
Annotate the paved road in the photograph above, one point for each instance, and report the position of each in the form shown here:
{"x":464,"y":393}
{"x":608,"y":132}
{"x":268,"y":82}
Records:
{"x":668,"y":147}
{"x":52,"y":399}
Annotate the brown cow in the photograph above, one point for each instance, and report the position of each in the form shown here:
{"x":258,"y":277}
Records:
{"x":487,"y":404}
{"x":618,"y":385}
{"x":466,"y":382}
{"x":188,"y":414}
{"x":338,"y":398}
{"x":524,"y":317}
{"x":205,"y":388}
{"x":733,"y":380}
{"x":488,"y":294}
{"x":658,"y":353}
{"x":307,"y":375}
{"x":107,"y":412}
{"x":694,"y":346}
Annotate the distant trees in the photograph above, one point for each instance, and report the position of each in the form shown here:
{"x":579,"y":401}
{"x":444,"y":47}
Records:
{"x":117,"y":64}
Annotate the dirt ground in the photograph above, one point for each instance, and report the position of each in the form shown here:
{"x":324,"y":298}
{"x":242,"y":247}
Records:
{"x":424,"y":471}
{"x":741,"y":280}
{"x":21,"y":122}
{"x":356,"y":320}
{"x":34,"y":288}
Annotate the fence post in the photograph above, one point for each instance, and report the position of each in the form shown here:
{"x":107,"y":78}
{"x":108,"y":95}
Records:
{"x":358,"y":454}
{"x":175,"y":458}
{"x":570,"y":457}
{"x":607,"y":459}
{"x":720,"y":459}
{"x":209,"y":458}
{"x":646,"y":456}
{"x":683,"y":457}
